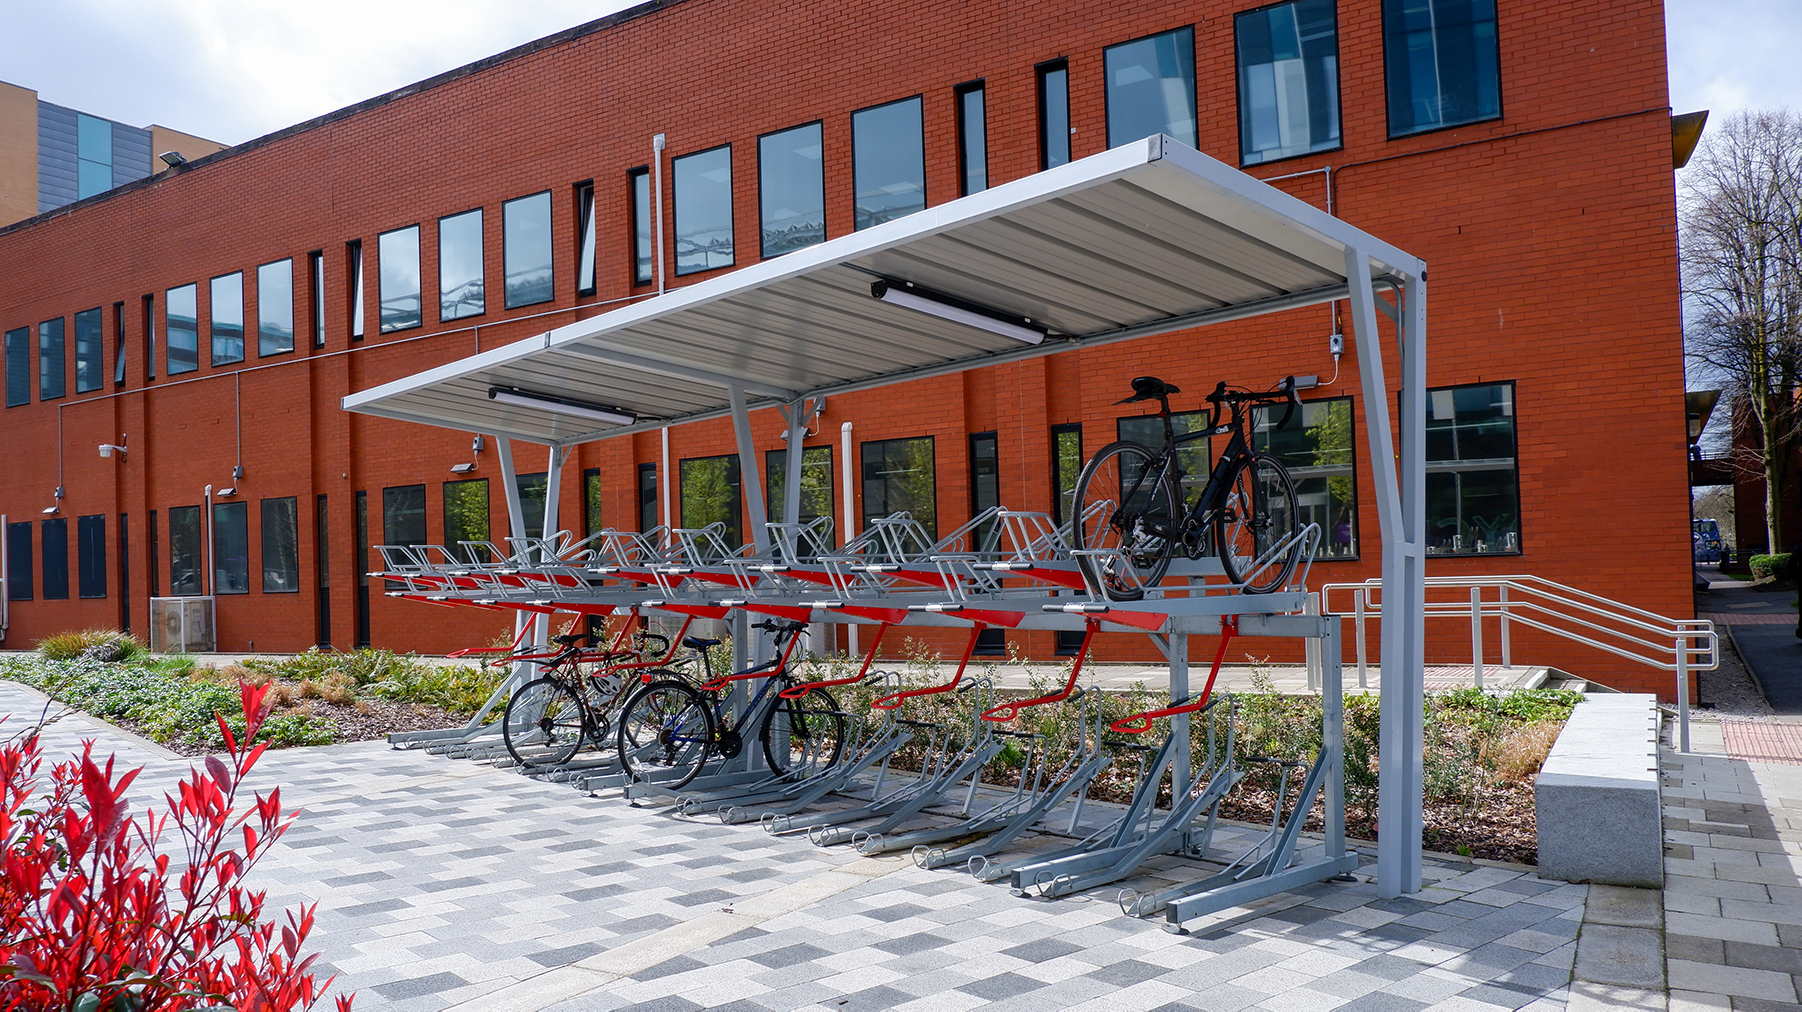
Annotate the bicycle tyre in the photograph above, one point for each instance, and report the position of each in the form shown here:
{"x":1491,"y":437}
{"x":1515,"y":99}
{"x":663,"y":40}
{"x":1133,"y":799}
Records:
{"x":1259,"y":512}
{"x":816,"y":731}
{"x":666,"y":725}
{"x":1146,"y":555}
{"x":544,"y":723}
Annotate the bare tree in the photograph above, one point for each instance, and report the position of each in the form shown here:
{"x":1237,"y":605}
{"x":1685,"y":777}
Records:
{"x":1740,"y":209}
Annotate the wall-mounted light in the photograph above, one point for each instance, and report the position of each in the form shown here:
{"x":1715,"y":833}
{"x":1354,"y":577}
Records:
{"x":949,"y":307}
{"x":108,"y":449}
{"x":55,"y":507}
{"x":173,"y":159}
{"x":546,"y":402}
{"x":225,"y":493}
{"x":462,"y":468}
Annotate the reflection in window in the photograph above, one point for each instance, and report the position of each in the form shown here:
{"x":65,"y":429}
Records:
{"x":53,"y":367}
{"x":19,"y":585}
{"x":280,"y":532}
{"x":397,"y":256}
{"x":231,"y":548}
{"x":93,"y":155}
{"x":275,"y":308}
{"x":532,"y":489}
{"x":90,"y":556}
{"x":403,"y":519}
{"x":900,"y":474}
{"x":816,"y":482}
{"x":703,"y":210}
{"x":1441,"y":63}
{"x":1288,"y":80}
{"x":711,"y":494}
{"x":647,"y":497}
{"x":181,"y":329}
{"x":888,"y":162}
{"x":54,"y":541}
{"x":466,"y":518}
{"x":187,"y":556}
{"x":1194,"y":458}
{"x":591,"y":501}
{"x":642,"y":251}
{"x":985,"y":483}
{"x":1151,"y":88}
{"x":119,"y":333}
{"x":1473,"y":478}
{"x":972,"y":140}
{"x":1316,"y":450}
{"x":585,"y":239}
{"x":316,"y":274}
{"x":791,"y":189}
{"x":1054,"y":114}
{"x":18,"y":367}
{"x":227,"y":325}
{"x":89,"y":350}
{"x":526,"y":249}
{"x":460,"y":291}
{"x":1066,"y":464}
{"x":353,"y":256}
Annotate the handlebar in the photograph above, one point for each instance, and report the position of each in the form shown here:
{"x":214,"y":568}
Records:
{"x":1286,"y":392}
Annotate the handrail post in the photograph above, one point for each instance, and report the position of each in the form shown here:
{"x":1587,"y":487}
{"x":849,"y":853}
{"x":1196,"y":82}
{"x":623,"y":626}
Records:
{"x":1476,"y":634}
{"x":1682,"y":693}
{"x":1358,"y":607}
{"x":1311,"y":645}
{"x":1507,"y":647}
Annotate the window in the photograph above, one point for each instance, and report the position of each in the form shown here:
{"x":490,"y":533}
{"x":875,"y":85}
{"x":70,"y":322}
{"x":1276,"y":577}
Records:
{"x":124,"y":572}
{"x":227,"y":306}
{"x":231,"y":548}
{"x":711,"y":494}
{"x":532,"y":489}
{"x":181,"y":327}
{"x":18,"y":367}
{"x":1066,"y":464}
{"x":585,"y":238}
{"x":353,"y":263}
{"x":90,"y":555}
{"x":322,"y":562}
{"x":156,"y":569}
{"x":275,"y":308}
{"x":403,"y":521}
{"x":1151,"y":88}
{"x":647,"y":497}
{"x":703,"y":210}
{"x":791,"y":188}
{"x":1442,"y":64}
{"x":1054,"y":114}
{"x":280,"y":532}
{"x":361,"y":563}
{"x":640,"y":181}
{"x":149,"y":304}
{"x":816,"y":482}
{"x":119,"y":344}
{"x":985,"y":493}
{"x":397,"y":280}
{"x":89,"y":350}
{"x":55,"y":538}
{"x":591,"y":501}
{"x":1316,"y":449}
{"x":52,"y":367}
{"x":466,"y":517}
{"x":899,"y":474}
{"x":972,"y":139}
{"x":316,"y":296}
{"x":1473,"y":477}
{"x":1288,"y":80}
{"x":18,"y":553}
{"x":460,"y":280}
{"x":1195,"y":459}
{"x":888,"y":162}
{"x":526,"y":250}
{"x":93,"y":155}
{"x":186,"y":556}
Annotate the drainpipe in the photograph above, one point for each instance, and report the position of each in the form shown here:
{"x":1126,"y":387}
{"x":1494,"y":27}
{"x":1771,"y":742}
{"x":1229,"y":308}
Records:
{"x":209,"y":541}
{"x":663,"y":483}
{"x":850,"y":503}
{"x":5,"y":578}
{"x":657,"y":198}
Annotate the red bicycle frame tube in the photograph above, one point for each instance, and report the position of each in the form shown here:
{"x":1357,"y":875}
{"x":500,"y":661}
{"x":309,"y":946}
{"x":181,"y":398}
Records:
{"x":797,"y":691}
{"x":1139,"y":723}
{"x":764,"y":672}
{"x":895,"y":699}
{"x":1008,"y":711}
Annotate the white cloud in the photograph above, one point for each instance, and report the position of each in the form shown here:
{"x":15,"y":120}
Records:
{"x":1729,"y":55}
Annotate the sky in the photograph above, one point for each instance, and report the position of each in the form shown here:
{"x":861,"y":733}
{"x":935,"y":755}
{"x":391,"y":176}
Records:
{"x":231,"y":70}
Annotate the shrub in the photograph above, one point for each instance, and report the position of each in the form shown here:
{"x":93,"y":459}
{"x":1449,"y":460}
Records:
{"x":1769,"y":565}
{"x":117,"y":646}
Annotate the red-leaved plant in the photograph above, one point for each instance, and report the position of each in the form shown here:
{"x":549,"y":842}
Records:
{"x":93,"y":918}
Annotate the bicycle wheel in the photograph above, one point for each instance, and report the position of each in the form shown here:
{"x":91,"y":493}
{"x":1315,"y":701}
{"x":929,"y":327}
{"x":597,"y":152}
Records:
{"x":544,"y":723}
{"x":1126,"y":510}
{"x":1259,"y":515}
{"x":665,"y":733}
{"x":805,"y":731}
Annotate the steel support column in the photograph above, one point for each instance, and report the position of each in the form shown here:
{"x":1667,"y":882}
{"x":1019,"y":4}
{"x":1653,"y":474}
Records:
{"x":516,"y":521}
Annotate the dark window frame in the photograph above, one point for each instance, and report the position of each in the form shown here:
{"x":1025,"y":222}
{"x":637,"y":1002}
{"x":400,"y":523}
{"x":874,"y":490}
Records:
{"x":649,"y":226}
{"x":17,"y":348}
{"x":453,"y":539}
{"x":1107,"y":123}
{"x":20,"y":583}
{"x":763,"y":249}
{"x":731,"y":209}
{"x":119,"y":343}
{"x":587,"y":223}
{"x":653,"y":501}
{"x":1501,"y":97}
{"x":354,"y":291}
{"x":381,"y":288}
{"x":1040,"y":73}
{"x":90,"y":557}
{"x":550,"y":240}
{"x":1351,"y":449}
{"x":225,"y":516}
{"x":774,"y":496}
{"x":293,"y":335}
{"x":1057,"y":471}
{"x":863,"y":449}
{"x":97,"y":350}
{"x":481,"y":260}
{"x":736,"y":526}
{"x":389,"y":511}
{"x":169,"y":364}
{"x":1239,"y":89}
{"x":212,"y":321}
{"x":62,"y":360}
{"x":54,"y":565}
{"x":196,"y":517}
{"x":959,"y":98}
{"x":316,"y":297}
{"x":593,"y":503}
{"x":148,"y":302}
{"x":272,"y":546}
{"x":925,"y":193}
{"x":1520,"y":532}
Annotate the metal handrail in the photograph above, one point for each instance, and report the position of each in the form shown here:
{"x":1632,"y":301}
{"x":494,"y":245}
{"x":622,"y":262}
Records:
{"x":1675,"y":645}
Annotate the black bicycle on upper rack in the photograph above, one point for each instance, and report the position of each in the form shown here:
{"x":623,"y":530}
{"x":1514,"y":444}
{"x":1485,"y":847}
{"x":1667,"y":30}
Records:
{"x":1129,"y":518}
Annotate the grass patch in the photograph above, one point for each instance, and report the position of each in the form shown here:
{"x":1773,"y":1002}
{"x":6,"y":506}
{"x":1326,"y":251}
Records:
{"x":110,"y":643}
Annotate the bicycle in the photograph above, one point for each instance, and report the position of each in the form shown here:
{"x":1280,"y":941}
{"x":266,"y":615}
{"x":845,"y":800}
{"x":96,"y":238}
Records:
{"x":1128,"y":518}
{"x":670,"y":725}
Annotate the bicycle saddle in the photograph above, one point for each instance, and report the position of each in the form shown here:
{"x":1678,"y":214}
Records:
{"x":571,"y":639}
{"x":1146,"y":388}
{"x":697,"y":643}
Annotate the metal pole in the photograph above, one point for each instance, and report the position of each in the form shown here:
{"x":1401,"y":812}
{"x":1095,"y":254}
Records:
{"x":791,"y":485}
{"x":1682,"y":694}
{"x":1507,"y":647}
{"x":1358,"y":604}
{"x":1311,"y":645}
{"x":1179,"y":724}
{"x":665,"y":480}
{"x":1332,"y":731}
{"x":657,"y":192}
{"x":1411,"y":605}
{"x":849,"y":495}
{"x":516,"y":526}
{"x":553,"y":488}
{"x":208,"y":495}
{"x":749,"y":474}
{"x":1476,"y":634}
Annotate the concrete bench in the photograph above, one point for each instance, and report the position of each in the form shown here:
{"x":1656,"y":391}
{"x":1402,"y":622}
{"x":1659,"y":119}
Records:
{"x":1597,"y":799}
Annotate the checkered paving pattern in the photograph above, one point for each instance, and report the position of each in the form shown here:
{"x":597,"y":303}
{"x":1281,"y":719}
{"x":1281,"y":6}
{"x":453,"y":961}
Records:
{"x":1763,"y":741}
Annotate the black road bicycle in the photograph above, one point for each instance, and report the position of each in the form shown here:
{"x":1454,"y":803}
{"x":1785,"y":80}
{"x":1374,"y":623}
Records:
{"x":1129,"y":520}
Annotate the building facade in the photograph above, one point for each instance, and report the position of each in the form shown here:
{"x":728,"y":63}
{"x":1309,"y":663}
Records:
{"x":208,"y":320}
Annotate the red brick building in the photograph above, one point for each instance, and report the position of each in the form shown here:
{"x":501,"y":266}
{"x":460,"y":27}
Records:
{"x":211,"y":318}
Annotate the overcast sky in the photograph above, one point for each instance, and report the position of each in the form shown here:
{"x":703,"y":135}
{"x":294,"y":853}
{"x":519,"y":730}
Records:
{"x":230,"y":70}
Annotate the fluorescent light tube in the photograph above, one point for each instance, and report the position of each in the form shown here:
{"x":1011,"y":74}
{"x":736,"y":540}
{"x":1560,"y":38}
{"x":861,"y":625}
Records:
{"x":525,"y":400}
{"x":901,"y":293}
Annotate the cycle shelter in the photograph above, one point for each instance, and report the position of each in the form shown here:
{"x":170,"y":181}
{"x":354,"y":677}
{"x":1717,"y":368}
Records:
{"x":1147,"y":238}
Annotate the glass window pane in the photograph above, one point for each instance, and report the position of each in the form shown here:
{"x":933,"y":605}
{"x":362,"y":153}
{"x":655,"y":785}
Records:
{"x":227,"y":307}
{"x":316,"y":301}
{"x":181,"y":329}
{"x":1316,"y":449}
{"x":231,"y":548}
{"x":972,"y":140}
{"x":591,"y":501}
{"x":585,"y":239}
{"x":526,"y":249}
{"x":1151,"y":88}
{"x":900,"y":474}
{"x":888,"y":155}
{"x":187,"y":557}
{"x":642,"y":250}
{"x":119,"y":332}
{"x":93,"y":155}
{"x":1473,"y":495}
{"x":703,"y":210}
{"x":353,"y":255}
{"x":55,"y":545}
{"x":90,"y":556}
{"x":985,"y":481}
{"x":403,"y":522}
{"x":466,"y":516}
{"x":531,"y":500}
{"x":791,"y":188}
{"x":281,"y":546}
{"x":89,"y":350}
{"x":1288,"y":80}
{"x":460,"y":290}
{"x":1193,"y":458}
{"x":397,"y":258}
{"x":52,"y":366}
{"x":1442,"y":63}
{"x":18,"y":367}
{"x":1054,"y":116}
{"x":711,"y":493}
{"x":1066,"y":464}
{"x":19,"y":550}
{"x":275,"y":308}
{"x":647,"y":497}
{"x":816,"y":482}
